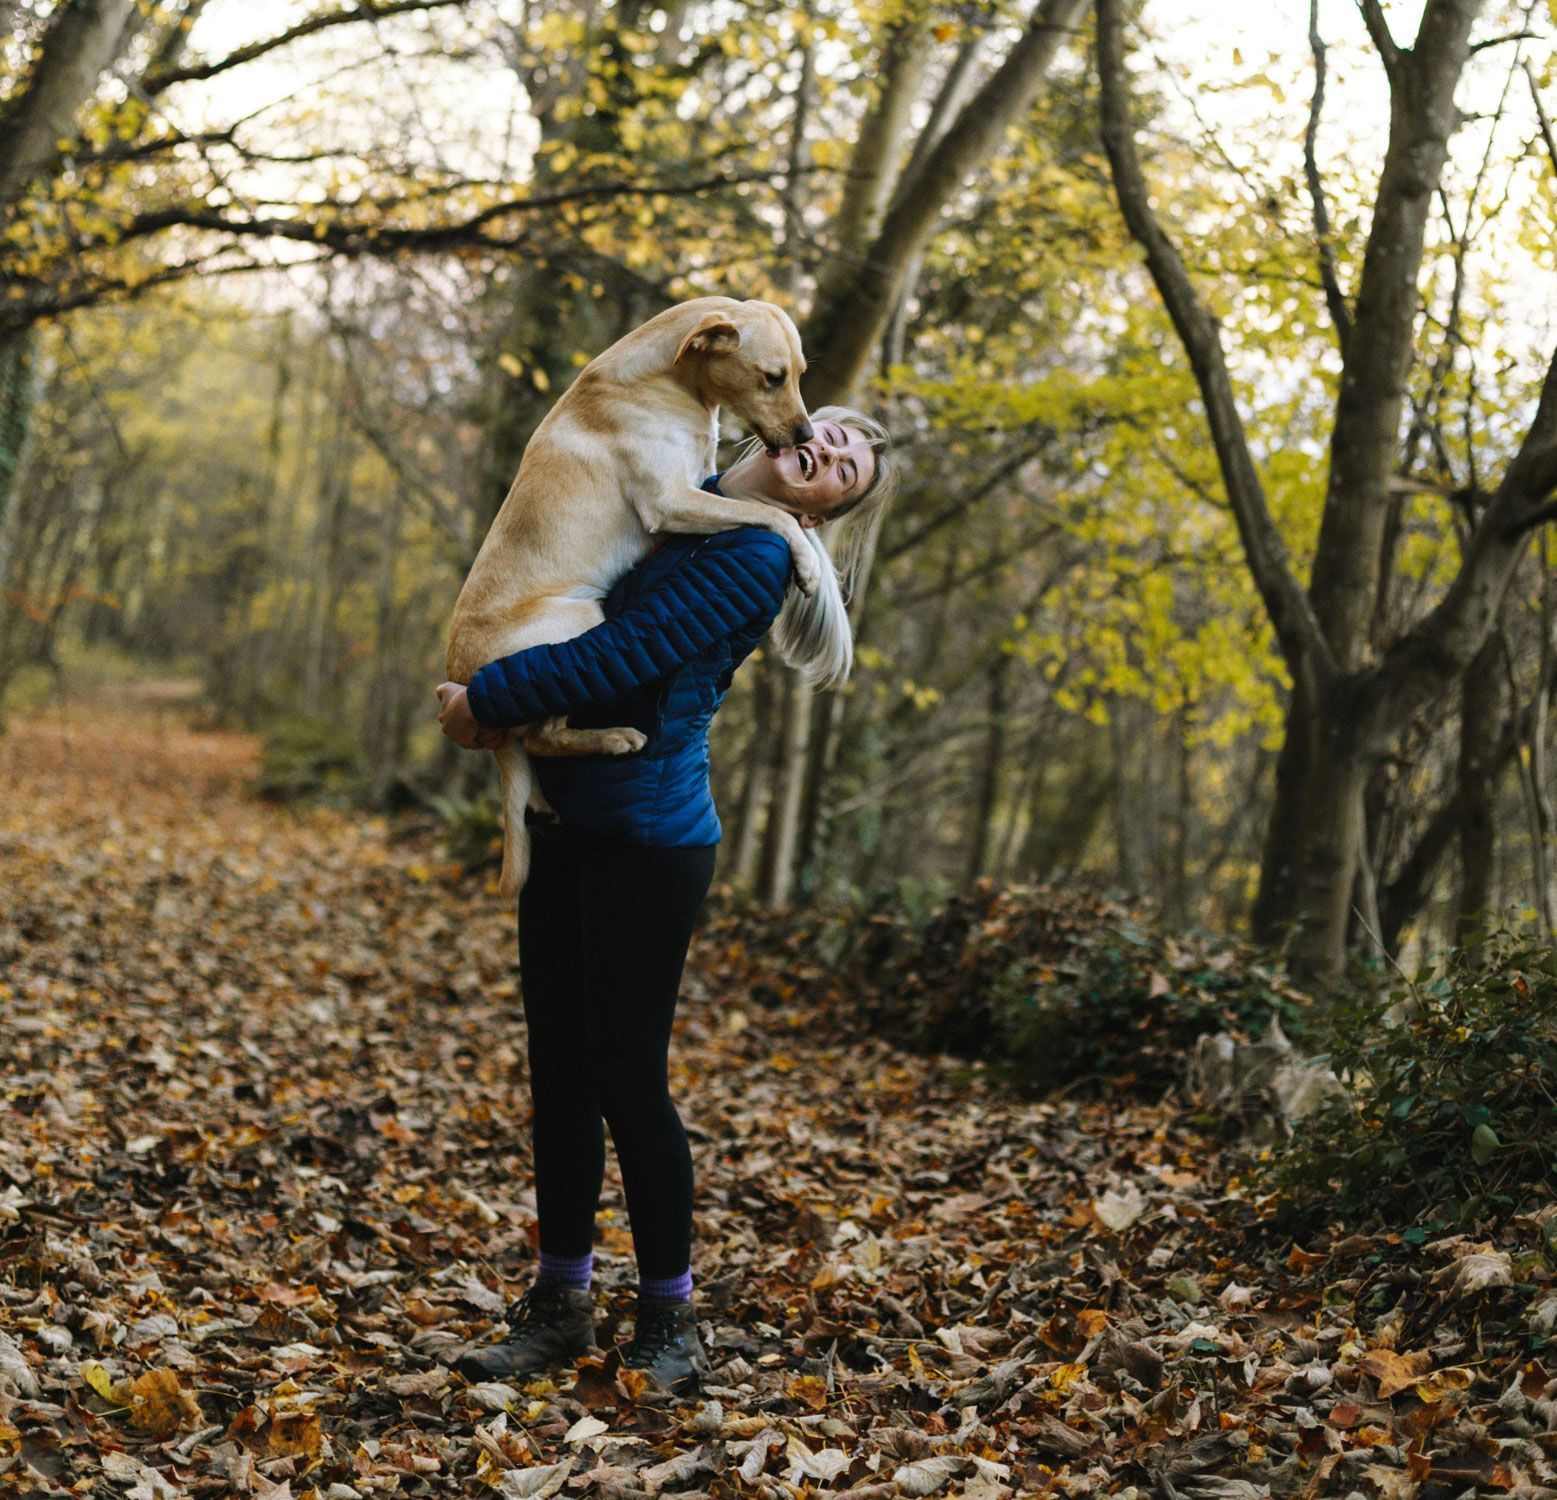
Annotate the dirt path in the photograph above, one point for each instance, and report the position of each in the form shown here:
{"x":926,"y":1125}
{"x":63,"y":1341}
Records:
{"x":264,"y":1166}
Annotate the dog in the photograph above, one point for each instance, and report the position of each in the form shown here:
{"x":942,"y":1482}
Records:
{"x":620,"y":456}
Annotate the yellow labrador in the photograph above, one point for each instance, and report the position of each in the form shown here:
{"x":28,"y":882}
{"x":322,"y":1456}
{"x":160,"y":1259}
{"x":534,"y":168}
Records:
{"x":619,"y":457}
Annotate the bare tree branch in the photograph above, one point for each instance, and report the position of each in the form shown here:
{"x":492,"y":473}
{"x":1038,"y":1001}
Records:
{"x":1378,"y":29}
{"x":158,"y":79}
{"x":1324,"y":237}
{"x":1498,"y":41}
{"x":1540,"y":114}
{"x":1296,"y":627}
{"x":971,"y":497}
{"x":1444,"y":642}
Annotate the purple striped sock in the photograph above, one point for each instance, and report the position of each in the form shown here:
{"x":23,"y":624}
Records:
{"x":571,"y":1270}
{"x":669,"y":1288}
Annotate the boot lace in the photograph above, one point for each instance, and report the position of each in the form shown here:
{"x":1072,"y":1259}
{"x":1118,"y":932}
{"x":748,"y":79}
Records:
{"x":540,"y":1303}
{"x":657,"y":1333}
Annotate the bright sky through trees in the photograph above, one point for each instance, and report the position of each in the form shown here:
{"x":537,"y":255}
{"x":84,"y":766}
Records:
{"x":1235,"y":78}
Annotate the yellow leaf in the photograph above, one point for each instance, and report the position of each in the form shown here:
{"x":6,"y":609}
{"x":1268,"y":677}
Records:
{"x":99,"y":1379}
{"x":808,"y":1390}
{"x":510,"y":364}
{"x":295,"y":1434}
{"x":1441,"y":1382}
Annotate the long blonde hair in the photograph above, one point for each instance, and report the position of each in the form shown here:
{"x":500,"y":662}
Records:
{"x":812,"y":633}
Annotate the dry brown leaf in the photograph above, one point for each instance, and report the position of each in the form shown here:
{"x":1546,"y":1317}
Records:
{"x":159,"y":1404}
{"x":1395,"y":1372}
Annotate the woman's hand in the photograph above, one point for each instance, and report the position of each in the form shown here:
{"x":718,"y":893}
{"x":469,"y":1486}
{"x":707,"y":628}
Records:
{"x":460,"y":724}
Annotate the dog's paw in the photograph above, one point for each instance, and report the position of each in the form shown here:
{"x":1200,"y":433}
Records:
{"x":808,"y":572}
{"x":623,"y":741}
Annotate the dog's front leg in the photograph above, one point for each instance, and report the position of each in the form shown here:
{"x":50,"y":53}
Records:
{"x":682,"y":508}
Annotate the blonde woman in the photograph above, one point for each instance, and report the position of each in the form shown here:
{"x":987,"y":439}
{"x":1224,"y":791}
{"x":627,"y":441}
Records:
{"x":618,"y":876}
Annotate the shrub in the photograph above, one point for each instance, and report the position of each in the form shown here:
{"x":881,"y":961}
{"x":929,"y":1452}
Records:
{"x":472,"y":826}
{"x":1047,"y":987}
{"x":1450,"y":1110}
{"x":310,"y":757}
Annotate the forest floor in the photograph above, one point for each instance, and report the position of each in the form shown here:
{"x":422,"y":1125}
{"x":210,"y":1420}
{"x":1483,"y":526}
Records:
{"x":264,"y":1172}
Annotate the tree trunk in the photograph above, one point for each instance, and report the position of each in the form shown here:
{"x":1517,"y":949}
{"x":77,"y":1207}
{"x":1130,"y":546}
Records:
{"x":987,"y":794}
{"x":1183,"y":814}
{"x":1275,"y":902}
{"x":1329,"y":848}
{"x":781,"y":866}
{"x":847,"y":326}
{"x":757,"y":788}
{"x":1481,"y":723}
{"x":1351,"y":706}
{"x":83,"y":38}
{"x":1129,"y":862}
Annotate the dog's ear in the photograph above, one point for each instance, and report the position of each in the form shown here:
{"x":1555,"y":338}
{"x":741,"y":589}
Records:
{"x":714,"y":334}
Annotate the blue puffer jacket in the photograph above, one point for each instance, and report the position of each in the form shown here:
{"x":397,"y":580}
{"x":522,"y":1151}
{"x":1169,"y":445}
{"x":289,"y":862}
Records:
{"x":677,"y":626}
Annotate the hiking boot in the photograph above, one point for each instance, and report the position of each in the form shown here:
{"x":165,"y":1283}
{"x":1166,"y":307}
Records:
{"x":665,"y":1344}
{"x":551,"y":1324}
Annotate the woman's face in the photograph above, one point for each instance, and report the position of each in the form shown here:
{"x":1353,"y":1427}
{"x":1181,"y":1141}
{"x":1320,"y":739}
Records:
{"x":809,"y":481}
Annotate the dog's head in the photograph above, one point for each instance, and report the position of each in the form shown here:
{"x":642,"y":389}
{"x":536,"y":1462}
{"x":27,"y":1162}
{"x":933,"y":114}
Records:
{"x":746,"y":356}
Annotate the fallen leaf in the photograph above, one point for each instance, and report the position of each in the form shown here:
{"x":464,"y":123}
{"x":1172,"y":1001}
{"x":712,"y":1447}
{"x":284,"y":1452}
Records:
{"x":159,"y":1404}
{"x":1394,"y":1372}
{"x":927,"y":1475}
{"x":534,"y":1483}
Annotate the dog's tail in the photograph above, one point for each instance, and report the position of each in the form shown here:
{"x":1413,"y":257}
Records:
{"x":513,"y":767}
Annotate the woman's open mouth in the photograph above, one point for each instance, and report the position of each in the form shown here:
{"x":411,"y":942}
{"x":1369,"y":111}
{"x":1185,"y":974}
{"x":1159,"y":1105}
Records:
{"x":807,"y":463}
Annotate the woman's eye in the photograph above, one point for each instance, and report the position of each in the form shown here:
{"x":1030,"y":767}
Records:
{"x":775,"y":378}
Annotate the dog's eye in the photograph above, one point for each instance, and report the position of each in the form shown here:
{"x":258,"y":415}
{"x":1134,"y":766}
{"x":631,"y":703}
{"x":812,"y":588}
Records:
{"x":775,"y":378}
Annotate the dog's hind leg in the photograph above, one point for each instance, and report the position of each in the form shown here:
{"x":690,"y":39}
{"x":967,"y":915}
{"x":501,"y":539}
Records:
{"x":554,"y":737}
{"x":514,"y":769}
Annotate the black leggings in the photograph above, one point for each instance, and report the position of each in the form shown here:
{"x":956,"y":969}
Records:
{"x":603,"y":934}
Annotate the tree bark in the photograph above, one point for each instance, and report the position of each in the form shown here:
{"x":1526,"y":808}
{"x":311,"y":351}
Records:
{"x":987,"y":794}
{"x":780,"y":845}
{"x":1365,"y":440}
{"x":1481,"y":721}
{"x":83,"y":38}
{"x":757,"y":788}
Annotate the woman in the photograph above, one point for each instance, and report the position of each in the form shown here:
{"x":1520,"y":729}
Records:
{"x":618,"y":876}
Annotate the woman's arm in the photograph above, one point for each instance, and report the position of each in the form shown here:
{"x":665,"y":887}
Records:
{"x":736,"y":579}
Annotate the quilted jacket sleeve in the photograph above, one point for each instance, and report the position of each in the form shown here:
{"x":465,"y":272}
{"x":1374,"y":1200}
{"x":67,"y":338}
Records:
{"x":735,"y":579}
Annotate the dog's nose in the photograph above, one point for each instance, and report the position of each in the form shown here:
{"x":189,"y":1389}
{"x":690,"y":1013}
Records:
{"x":803,"y":434}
